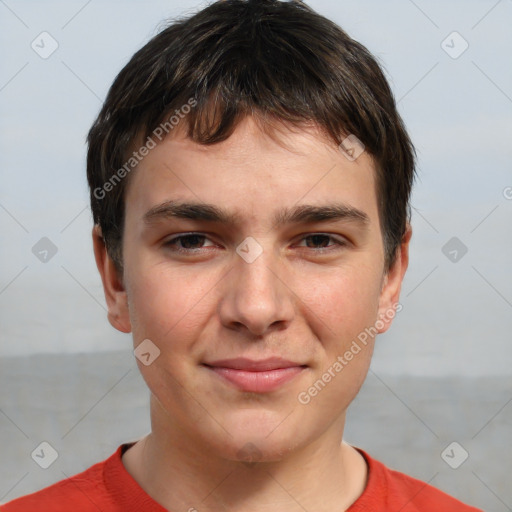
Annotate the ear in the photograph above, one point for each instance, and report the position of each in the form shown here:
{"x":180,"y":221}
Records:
{"x":115,"y":293}
{"x":392,"y":283}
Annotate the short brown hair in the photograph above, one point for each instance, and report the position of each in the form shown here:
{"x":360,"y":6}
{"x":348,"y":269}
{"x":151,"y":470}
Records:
{"x":277,"y":60}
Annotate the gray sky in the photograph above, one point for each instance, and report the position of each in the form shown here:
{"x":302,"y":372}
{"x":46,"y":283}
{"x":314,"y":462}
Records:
{"x":458,"y":109}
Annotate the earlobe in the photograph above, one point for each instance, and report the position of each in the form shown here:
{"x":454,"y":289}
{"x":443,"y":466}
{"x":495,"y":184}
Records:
{"x":113,"y":287}
{"x":392,"y":283}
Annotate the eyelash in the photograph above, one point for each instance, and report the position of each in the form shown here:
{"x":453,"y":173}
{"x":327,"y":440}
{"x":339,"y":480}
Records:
{"x":322,"y":250}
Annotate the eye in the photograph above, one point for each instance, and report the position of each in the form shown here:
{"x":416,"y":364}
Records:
{"x":194,"y":242}
{"x":186,"y":243}
{"x":323,"y":239}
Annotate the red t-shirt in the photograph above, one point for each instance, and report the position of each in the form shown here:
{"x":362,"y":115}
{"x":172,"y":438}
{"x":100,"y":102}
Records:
{"x":108,"y":487}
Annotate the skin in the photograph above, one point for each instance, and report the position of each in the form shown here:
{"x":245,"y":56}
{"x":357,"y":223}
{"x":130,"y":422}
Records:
{"x":292,"y":301}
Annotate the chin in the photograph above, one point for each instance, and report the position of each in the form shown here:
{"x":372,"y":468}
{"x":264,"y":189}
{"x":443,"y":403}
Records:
{"x":261,"y":436}
{"x":250,"y":450}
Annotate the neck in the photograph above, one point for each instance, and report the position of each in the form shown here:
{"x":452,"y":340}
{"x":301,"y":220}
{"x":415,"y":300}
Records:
{"x":182,"y":473}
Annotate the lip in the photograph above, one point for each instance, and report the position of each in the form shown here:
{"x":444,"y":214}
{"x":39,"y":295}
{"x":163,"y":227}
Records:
{"x":253,"y":365}
{"x":256,"y":376}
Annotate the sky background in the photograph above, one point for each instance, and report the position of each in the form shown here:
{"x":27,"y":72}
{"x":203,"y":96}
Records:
{"x":456,"y":317}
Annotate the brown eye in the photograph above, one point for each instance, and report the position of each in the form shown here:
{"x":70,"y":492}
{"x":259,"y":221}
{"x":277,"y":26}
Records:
{"x":186,"y":243}
{"x":321,"y":242}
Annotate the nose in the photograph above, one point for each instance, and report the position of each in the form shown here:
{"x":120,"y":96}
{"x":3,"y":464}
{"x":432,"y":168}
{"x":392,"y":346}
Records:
{"x":256,"y":295}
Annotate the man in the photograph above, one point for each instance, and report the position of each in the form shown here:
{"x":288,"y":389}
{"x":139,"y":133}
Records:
{"x":250,"y":180}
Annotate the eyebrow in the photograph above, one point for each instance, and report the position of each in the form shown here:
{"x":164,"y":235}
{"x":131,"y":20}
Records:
{"x":305,"y":213}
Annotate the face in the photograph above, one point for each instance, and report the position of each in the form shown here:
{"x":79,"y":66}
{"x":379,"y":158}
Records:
{"x":259,"y":314}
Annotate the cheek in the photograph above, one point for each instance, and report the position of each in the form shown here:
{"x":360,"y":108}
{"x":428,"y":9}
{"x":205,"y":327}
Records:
{"x":166,"y":305}
{"x":342,"y":309}
{"x":169,"y":309}
{"x":340,"y":302}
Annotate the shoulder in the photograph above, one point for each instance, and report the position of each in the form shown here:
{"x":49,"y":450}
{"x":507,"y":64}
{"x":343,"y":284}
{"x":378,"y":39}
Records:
{"x":397,"y":491}
{"x":83,"y":492}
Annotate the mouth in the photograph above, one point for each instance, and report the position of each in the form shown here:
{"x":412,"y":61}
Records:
{"x":256,"y":376}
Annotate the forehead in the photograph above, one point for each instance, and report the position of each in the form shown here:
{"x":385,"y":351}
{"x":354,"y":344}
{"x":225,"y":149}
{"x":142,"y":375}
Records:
{"x":255,"y":170}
